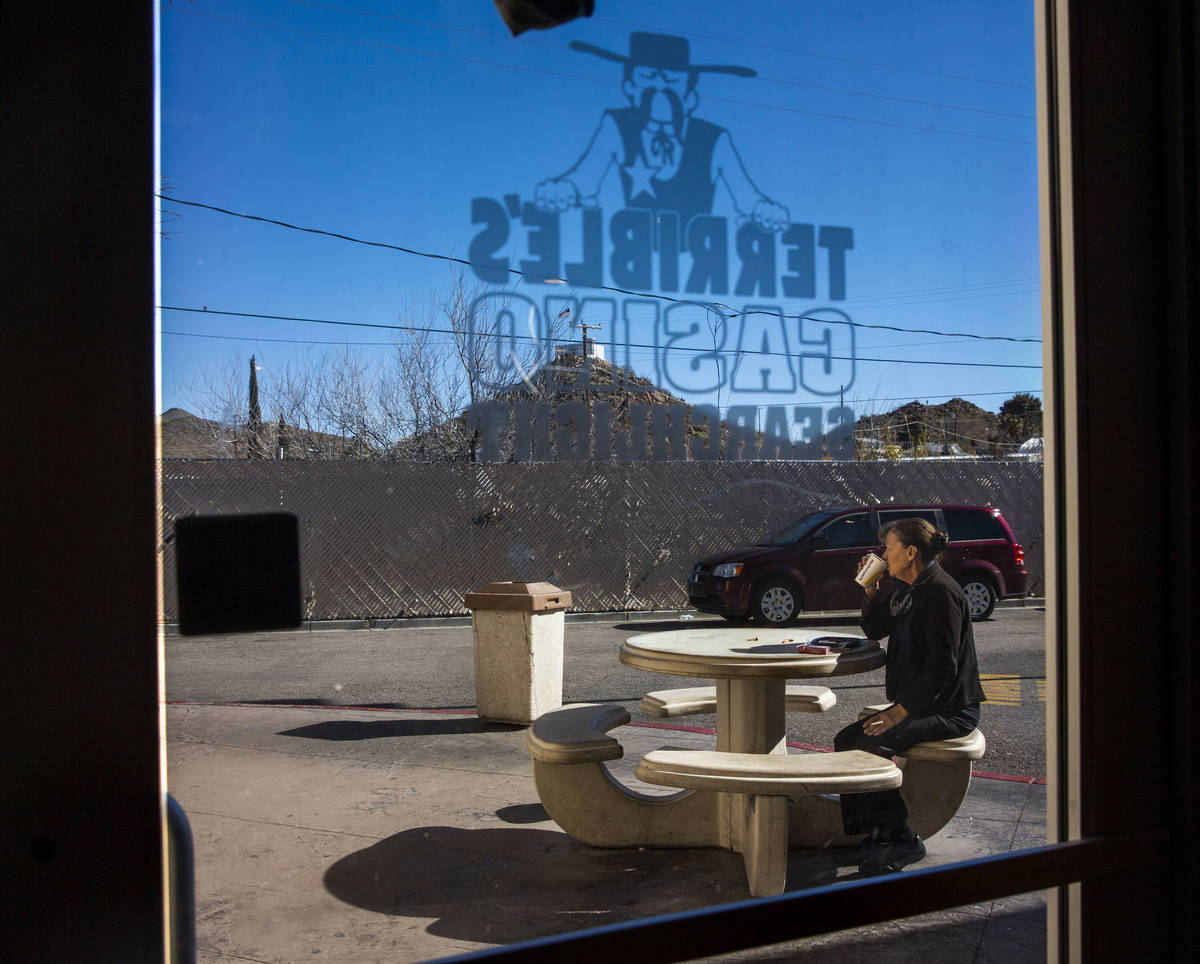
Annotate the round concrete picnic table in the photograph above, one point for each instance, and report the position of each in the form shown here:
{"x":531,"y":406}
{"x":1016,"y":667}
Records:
{"x":751,"y":667}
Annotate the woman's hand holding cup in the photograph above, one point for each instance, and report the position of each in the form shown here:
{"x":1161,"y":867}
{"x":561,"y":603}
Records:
{"x":870,"y":568}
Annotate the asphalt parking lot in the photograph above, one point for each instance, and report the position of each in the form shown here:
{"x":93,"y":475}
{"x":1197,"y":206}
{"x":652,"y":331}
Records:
{"x":432,"y":667}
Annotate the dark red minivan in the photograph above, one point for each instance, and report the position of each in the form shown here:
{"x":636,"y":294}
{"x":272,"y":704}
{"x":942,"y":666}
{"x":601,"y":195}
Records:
{"x":810,"y":563}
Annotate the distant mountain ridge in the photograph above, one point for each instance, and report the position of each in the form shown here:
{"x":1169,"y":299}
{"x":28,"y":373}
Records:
{"x":909,"y":427}
{"x":188,"y":436}
{"x":915,"y":424}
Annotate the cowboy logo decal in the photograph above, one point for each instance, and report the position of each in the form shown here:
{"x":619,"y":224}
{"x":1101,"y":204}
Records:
{"x":668,"y":159}
{"x":685,"y":227}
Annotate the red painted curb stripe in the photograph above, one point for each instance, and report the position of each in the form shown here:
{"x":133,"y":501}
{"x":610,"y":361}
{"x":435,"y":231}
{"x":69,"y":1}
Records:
{"x":985,"y":775}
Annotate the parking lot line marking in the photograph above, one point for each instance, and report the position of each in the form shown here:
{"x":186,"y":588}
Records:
{"x":1001,"y":690}
{"x":1041,"y":690}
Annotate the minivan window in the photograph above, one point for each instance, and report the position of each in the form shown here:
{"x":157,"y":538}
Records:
{"x":972,"y":525}
{"x":852,"y":530}
{"x":796,"y":529}
{"x":895,"y":515}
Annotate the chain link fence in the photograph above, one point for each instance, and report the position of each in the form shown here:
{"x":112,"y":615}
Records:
{"x":403,"y":539}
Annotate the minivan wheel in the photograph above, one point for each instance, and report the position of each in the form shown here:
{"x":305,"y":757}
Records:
{"x":775,"y":603}
{"x":981,"y":597}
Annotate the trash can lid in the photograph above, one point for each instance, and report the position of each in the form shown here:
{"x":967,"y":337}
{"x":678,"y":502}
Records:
{"x":534,"y":597}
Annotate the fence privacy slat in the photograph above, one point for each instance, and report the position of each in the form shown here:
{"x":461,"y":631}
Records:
{"x":381,"y":540}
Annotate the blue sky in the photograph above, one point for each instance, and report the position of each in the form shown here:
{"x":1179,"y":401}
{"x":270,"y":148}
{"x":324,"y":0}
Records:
{"x":911,"y":125}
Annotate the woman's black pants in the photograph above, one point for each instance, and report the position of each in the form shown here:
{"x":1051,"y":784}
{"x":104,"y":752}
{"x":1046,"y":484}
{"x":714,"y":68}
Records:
{"x":884,"y":810}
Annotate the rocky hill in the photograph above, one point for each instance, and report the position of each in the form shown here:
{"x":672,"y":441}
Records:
{"x":571,"y":378}
{"x":915,"y":426}
{"x":187,"y":436}
{"x":954,"y":426}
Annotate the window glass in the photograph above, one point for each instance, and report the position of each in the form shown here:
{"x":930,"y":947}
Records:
{"x":970,"y":525}
{"x":852,"y":530}
{"x":587,"y":306}
{"x":929,"y":515}
{"x":796,"y":530}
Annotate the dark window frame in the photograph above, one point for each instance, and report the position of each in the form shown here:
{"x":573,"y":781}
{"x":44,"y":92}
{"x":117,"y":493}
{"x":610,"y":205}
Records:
{"x":1121,"y":231}
{"x":866,"y":525}
{"x":884,"y":516}
{"x":993,"y":522}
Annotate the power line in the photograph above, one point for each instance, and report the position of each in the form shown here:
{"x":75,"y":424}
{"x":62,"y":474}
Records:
{"x":952,"y":433}
{"x":901,"y":100}
{"x":951,"y":288}
{"x":863,"y":120}
{"x":809,"y":53}
{"x":962,"y":395}
{"x":516,"y":337}
{"x":773,"y":80}
{"x":713,"y":306}
{"x":279,"y":341}
{"x":642,"y":351}
{"x":652,"y":353}
{"x":646,"y":353}
{"x":561,"y":74}
{"x":856,"y":305}
{"x":908,"y":399}
{"x":672,"y":30}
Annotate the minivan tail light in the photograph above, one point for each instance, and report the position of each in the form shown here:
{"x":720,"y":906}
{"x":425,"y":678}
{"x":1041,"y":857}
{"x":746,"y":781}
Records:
{"x":1018,"y":553}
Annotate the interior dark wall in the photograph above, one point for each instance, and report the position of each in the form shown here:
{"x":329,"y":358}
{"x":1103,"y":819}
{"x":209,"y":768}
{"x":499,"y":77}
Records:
{"x":1133,"y":142}
{"x":82,"y":847}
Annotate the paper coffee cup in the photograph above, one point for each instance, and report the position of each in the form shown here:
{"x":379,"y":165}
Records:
{"x":871,"y":571}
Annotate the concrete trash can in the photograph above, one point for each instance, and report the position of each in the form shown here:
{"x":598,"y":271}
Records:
{"x":518,"y":629}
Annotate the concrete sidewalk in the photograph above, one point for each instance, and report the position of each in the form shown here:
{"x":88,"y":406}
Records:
{"x":324,"y":833}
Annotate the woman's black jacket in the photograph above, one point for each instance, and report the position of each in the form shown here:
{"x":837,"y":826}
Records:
{"x":932,"y":669}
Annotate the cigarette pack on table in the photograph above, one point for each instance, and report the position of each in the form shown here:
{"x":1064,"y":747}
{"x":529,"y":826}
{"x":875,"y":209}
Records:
{"x":840,"y":644}
{"x":810,"y":650}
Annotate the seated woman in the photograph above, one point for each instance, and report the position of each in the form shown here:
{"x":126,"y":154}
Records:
{"x":931,"y":679}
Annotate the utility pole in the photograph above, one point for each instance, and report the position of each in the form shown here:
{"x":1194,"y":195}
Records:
{"x":585,"y":376}
{"x":586,"y":329}
{"x":842,"y":404}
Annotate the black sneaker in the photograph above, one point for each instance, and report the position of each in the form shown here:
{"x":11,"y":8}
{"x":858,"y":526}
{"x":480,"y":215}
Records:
{"x":870,"y":846}
{"x":895,"y":855}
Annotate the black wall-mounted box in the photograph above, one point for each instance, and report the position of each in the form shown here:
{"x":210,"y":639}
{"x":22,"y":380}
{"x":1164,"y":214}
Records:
{"x":238,"y":573}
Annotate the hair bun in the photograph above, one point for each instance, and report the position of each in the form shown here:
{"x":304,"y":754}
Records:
{"x":938,"y":542}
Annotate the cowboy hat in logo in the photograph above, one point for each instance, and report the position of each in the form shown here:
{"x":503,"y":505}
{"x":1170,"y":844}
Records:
{"x":668,"y":160}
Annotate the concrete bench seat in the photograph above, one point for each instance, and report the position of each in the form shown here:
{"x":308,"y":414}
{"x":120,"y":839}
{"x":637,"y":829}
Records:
{"x":972,"y":746}
{"x":969,"y":747}
{"x":790,"y":774}
{"x":768,"y":780}
{"x":703,"y":699}
{"x":569,"y":747}
{"x":937,"y":776}
{"x":576,"y":734}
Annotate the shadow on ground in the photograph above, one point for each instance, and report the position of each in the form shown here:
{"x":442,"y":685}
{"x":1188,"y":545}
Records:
{"x":343,"y":730}
{"x":523,"y":813}
{"x":510,"y":884}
